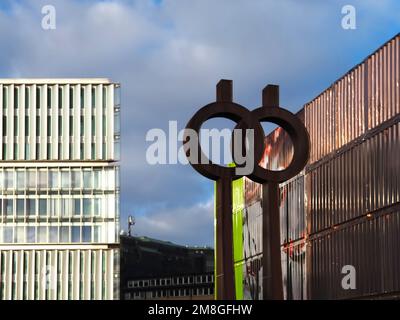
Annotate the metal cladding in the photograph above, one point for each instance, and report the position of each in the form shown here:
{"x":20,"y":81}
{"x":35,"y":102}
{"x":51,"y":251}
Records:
{"x":343,"y":208}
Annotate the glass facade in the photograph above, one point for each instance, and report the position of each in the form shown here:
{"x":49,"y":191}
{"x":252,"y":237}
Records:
{"x":60,"y":189}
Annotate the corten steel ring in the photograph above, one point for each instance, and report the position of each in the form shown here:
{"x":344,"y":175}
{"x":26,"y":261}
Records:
{"x":236,"y":113}
{"x":300,"y":141}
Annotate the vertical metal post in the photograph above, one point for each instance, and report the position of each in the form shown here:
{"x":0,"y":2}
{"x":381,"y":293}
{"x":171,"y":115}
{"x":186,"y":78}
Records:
{"x":225,"y":281}
{"x":271,"y":261}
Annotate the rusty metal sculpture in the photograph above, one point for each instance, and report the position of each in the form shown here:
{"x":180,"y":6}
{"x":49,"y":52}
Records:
{"x":270,"y":111}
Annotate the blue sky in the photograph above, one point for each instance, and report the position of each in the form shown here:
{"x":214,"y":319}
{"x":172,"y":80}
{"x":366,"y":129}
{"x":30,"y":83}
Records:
{"x":168,"y":56}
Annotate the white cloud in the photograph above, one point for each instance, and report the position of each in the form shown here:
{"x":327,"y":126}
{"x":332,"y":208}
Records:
{"x":191,"y":225}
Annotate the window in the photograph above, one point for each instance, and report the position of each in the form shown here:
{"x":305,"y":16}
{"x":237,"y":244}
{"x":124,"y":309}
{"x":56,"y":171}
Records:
{"x":30,"y":234}
{"x":59,"y":151}
{"x":77,"y":207}
{"x":66,"y":207}
{"x":42,"y":207}
{"x":76,"y":179}
{"x":104,"y":97}
{"x":65,"y":180}
{"x":97,"y":179}
{"x":96,"y":234}
{"x":93,"y":126}
{"x":26,"y":126}
{"x":60,"y":97}
{"x":42,"y":179}
{"x":8,"y":207}
{"x":82,"y":156}
{"x":96,"y":206}
{"x":31,"y":207}
{"x":53,"y":179}
{"x":87,"y":207}
{"x":64,"y":234}
{"x":82,"y":126}
{"x":4,"y":126}
{"x":38,"y":126}
{"x":71,"y":126}
{"x":8,"y":234}
{"x":93,"y":97}
{"x":26,"y":97}
{"x":8,"y":180}
{"x":82,"y":98}
{"x":75,"y":234}
{"x":71,"y":97}
{"x":87,"y":179}
{"x":31,"y":179}
{"x":19,"y":235}
{"x":16,"y":98}
{"x":37,"y":150}
{"x":42,"y":234}
{"x":48,"y":151}
{"x":93,"y":151}
{"x":5,"y":97}
{"x":20,"y":207}
{"x":53,"y":234}
{"x":20,"y":180}
{"x":53,"y":207}
{"x":38,"y":98}
{"x":27,"y":151}
{"x":48,"y":97}
{"x":15,"y":151}
{"x":15,"y":126}
{"x":49,"y":126}
{"x":59,"y":125}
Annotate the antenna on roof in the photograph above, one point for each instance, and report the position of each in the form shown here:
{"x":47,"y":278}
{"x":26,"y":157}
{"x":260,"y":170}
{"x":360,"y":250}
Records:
{"x":131,"y":223}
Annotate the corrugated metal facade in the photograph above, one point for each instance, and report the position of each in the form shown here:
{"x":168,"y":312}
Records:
{"x":343,"y":209}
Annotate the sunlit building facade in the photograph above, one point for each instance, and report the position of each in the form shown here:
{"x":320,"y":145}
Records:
{"x":59,"y":189}
{"x":342,"y":212}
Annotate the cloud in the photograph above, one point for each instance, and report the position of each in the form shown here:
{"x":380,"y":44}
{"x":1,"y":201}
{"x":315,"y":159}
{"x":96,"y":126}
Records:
{"x":184,"y":225}
{"x":169,"y":55}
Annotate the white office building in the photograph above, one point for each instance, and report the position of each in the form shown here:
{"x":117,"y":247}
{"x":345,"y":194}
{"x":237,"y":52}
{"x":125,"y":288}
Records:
{"x":59,"y":189}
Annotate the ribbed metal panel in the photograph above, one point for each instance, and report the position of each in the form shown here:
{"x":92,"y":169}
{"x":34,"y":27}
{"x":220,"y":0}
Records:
{"x":294,"y":271}
{"x":252,"y":230}
{"x":357,"y":181}
{"x":383,"y":83}
{"x":292,"y":213}
{"x":370,"y":245}
{"x":252,"y":278}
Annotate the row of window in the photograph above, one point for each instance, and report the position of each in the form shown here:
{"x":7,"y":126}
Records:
{"x":73,"y":93}
{"x":50,"y":234}
{"x":45,"y":151}
{"x":57,"y":207}
{"x":171,"y":281}
{"x":62,"y":121}
{"x":50,"y":269}
{"x":59,"y":178}
{"x":169,"y":293}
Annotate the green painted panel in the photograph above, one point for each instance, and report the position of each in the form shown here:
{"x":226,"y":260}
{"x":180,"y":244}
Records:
{"x":237,"y":222}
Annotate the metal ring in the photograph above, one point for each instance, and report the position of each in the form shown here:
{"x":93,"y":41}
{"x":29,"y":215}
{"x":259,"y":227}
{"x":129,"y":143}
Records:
{"x":231,"y":111}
